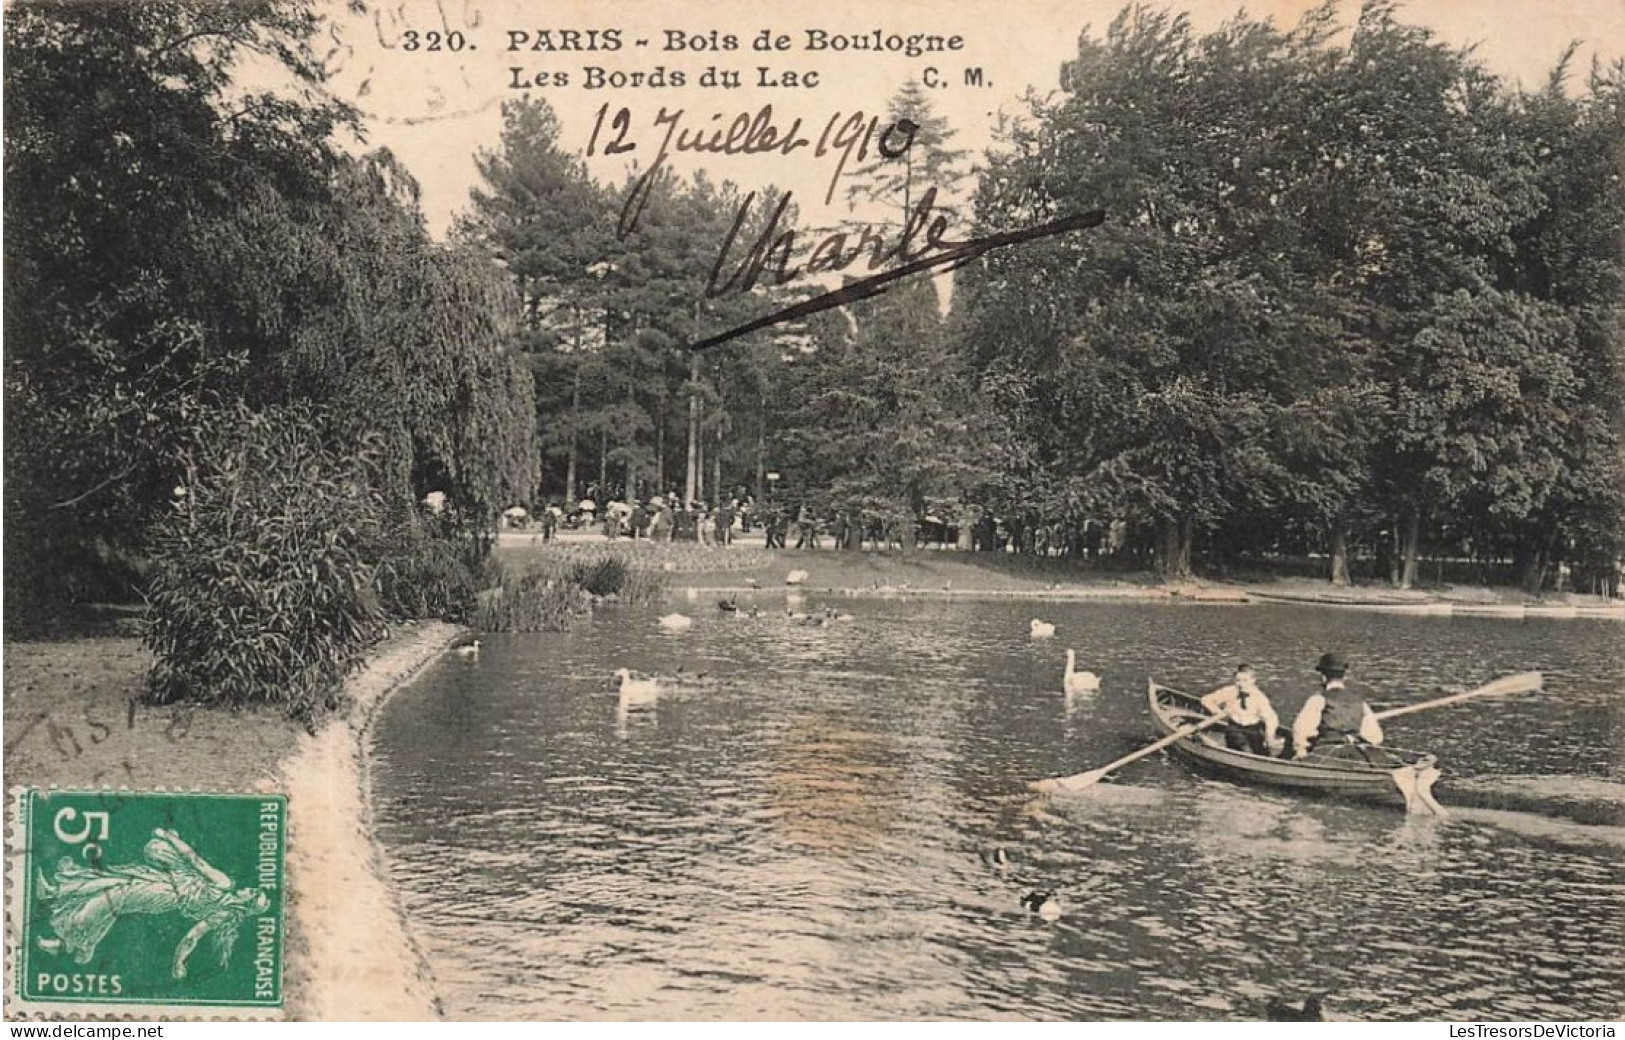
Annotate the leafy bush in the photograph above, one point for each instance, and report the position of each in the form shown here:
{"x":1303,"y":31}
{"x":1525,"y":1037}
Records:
{"x":642,"y":586}
{"x":262,"y":590}
{"x":555,"y":589}
{"x":614,"y":574}
{"x":603,"y":576}
{"x":421,"y":576}
{"x":533,"y":601}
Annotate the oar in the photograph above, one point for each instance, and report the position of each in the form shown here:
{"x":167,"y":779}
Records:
{"x":1079,"y":781}
{"x":1522,"y":682}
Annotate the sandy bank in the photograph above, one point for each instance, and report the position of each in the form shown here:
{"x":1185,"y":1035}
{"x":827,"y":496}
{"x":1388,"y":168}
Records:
{"x":350,"y":957}
{"x":700,"y":573}
{"x":74,"y":718}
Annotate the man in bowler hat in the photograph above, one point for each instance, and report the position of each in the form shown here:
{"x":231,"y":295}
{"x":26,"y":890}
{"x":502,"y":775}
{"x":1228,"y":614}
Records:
{"x":1334,"y":715}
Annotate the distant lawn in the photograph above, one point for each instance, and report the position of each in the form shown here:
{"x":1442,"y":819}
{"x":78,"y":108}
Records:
{"x":736,"y":565}
{"x":955,"y":571}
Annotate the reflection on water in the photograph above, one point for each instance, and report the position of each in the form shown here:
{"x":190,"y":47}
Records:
{"x":803,"y":834}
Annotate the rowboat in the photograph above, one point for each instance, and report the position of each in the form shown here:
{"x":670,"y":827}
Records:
{"x":1384,"y":775}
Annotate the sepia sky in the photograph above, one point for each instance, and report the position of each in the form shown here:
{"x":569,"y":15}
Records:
{"x":436,"y":109}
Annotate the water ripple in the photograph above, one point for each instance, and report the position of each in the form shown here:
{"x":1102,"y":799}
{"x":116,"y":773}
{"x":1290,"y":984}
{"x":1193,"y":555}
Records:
{"x":804,"y":836}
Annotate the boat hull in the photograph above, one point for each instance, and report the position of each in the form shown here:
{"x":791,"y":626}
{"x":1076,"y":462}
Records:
{"x":1346,"y":775}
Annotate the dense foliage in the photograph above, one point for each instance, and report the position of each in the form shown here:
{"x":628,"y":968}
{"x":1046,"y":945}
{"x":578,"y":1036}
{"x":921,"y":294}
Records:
{"x":185,"y":260}
{"x":1355,"y":297}
{"x":1347,"y":295}
{"x":262,"y":590}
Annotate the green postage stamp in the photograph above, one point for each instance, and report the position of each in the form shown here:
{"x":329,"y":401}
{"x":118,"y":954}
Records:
{"x":128,"y":902}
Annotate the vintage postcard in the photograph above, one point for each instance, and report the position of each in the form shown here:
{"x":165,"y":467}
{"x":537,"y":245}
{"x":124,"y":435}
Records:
{"x":993,"y":511}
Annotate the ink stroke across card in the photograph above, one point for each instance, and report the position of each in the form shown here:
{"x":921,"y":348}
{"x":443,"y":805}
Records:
{"x":525,"y":365}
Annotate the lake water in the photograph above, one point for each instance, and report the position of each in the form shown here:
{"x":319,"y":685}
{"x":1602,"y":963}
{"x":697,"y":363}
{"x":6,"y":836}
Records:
{"x":801,"y":835}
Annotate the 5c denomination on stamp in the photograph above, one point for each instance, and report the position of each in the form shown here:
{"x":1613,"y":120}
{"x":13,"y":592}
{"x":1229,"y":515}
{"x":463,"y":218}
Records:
{"x":172,"y":902}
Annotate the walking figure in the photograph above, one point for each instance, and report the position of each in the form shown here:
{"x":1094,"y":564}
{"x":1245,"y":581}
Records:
{"x":88,"y":901}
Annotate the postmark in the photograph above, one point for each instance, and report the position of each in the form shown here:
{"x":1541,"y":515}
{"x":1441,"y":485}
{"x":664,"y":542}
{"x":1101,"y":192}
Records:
{"x":147,"y":903}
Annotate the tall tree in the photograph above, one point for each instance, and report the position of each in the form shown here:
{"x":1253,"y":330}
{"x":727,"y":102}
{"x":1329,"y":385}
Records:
{"x":127,"y":147}
{"x":541,"y":215}
{"x":923,"y":159}
{"x":189,"y":248}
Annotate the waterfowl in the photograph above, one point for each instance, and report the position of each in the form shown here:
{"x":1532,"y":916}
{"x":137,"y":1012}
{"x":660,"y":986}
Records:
{"x":1042,"y":629}
{"x":729,"y":606}
{"x":1279,"y":1010}
{"x":676,"y":622}
{"x":1044,"y":904}
{"x":832,"y":614}
{"x":468,"y":649}
{"x":996,"y":858}
{"x":795,"y":578}
{"x":755,"y":584}
{"x":1076,"y":682}
{"x":633,"y":690}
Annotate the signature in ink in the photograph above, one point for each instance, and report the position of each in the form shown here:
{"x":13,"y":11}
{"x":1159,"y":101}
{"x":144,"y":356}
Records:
{"x":773,"y":249}
{"x":772,"y":252}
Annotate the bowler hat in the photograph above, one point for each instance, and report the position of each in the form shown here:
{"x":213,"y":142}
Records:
{"x":1332,"y":665}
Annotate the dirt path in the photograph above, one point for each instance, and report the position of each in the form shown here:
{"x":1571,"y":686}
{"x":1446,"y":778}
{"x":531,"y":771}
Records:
{"x":350,"y":955}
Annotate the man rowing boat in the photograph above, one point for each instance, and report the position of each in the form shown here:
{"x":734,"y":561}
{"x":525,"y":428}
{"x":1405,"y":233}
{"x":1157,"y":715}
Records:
{"x":1334,"y":716}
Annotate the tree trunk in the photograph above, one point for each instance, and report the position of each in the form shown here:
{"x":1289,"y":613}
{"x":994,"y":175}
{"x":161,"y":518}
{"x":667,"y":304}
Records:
{"x":603,"y":466}
{"x":854,"y":531}
{"x":1174,"y":549}
{"x":1411,"y":538}
{"x":906,"y":532}
{"x":1533,"y":560}
{"x":1340,"y":552}
{"x":761,"y":453}
{"x":575,"y":414}
{"x":691,"y":482}
{"x":660,"y":449}
{"x":699,"y":469}
{"x":716,"y":471}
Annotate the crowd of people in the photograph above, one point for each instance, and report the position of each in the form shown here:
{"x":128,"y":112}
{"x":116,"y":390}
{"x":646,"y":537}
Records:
{"x":668,"y":518}
{"x":661,"y":518}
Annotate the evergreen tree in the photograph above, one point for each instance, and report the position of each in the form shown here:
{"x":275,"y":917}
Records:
{"x":897,"y":182}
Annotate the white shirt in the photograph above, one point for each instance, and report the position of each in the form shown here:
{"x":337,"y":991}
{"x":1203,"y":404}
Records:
{"x":1227,"y":700}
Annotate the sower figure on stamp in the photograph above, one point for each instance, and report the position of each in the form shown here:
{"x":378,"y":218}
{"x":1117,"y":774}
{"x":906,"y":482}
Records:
{"x":88,"y":901}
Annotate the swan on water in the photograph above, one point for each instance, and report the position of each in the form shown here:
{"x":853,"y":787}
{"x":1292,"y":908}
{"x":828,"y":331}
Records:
{"x":1075,"y":682}
{"x":636,"y":689}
